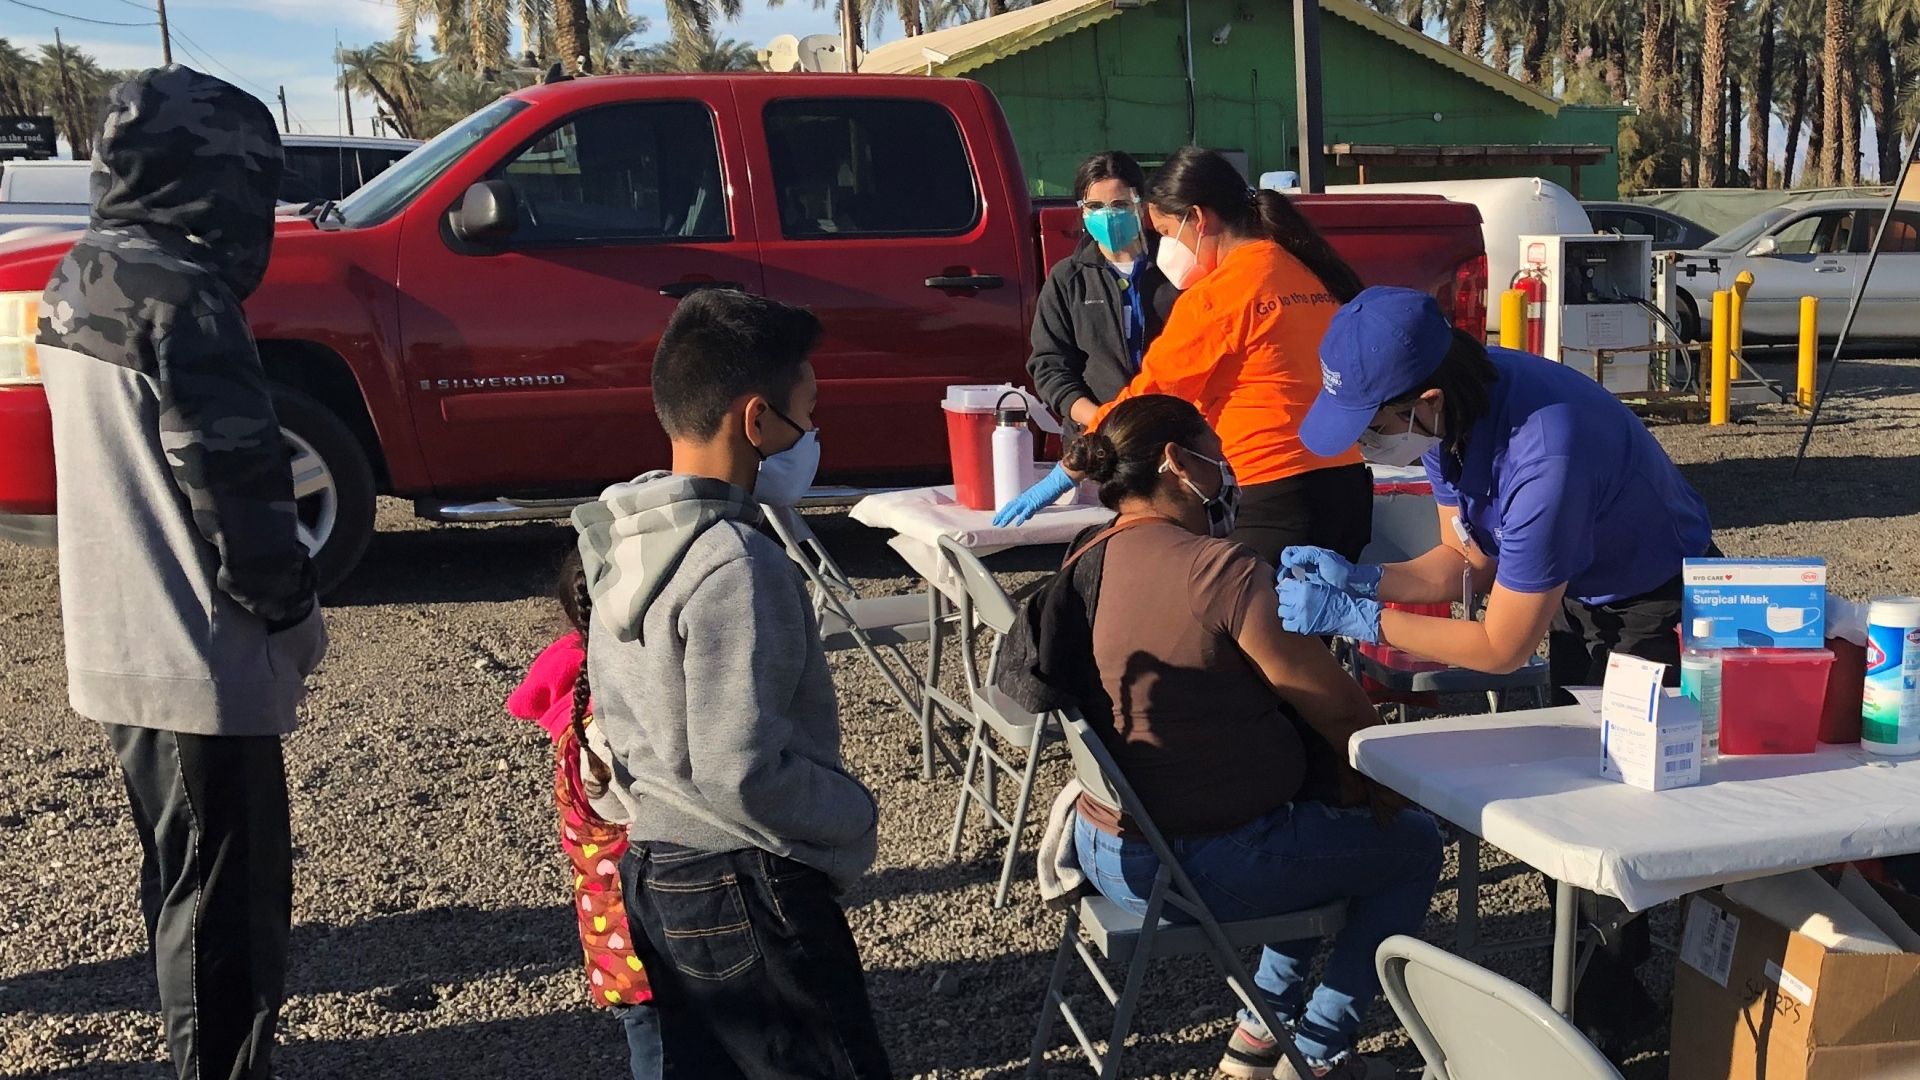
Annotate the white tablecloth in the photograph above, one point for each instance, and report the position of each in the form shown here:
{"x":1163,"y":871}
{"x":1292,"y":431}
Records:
{"x":921,"y":516}
{"x":1529,"y":783}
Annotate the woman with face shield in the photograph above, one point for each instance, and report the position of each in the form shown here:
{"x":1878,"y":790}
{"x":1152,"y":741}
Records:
{"x":1260,"y":286}
{"x":1212,"y":711}
{"x":1103,"y":305}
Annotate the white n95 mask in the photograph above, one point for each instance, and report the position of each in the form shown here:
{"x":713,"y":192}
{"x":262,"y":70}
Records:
{"x":1404,"y":448}
{"x":785,"y":477}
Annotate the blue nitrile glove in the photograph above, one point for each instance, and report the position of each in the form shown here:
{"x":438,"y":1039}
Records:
{"x":1324,"y":567}
{"x":1029,"y":502}
{"x":1309,"y":607}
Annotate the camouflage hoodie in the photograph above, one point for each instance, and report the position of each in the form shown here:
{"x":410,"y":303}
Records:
{"x":186,"y":594}
{"x":709,"y":680}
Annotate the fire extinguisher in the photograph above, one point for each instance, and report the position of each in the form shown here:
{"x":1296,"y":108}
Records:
{"x":1532,"y":280}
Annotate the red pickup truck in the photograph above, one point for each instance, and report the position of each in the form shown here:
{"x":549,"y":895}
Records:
{"x":474,"y":328}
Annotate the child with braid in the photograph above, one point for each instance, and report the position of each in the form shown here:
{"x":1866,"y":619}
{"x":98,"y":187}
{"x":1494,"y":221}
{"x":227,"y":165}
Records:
{"x":593,"y":816}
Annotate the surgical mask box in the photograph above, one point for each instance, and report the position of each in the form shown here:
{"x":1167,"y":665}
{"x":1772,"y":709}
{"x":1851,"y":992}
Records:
{"x":1755,"y":603}
{"x":1649,"y":735}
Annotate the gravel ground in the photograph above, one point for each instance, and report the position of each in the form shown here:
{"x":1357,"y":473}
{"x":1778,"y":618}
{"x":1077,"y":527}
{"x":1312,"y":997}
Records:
{"x":432,"y":932}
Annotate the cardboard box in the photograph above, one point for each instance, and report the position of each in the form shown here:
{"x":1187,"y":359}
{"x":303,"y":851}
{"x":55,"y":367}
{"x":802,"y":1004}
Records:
{"x":1649,"y":735}
{"x":1753,"y":1000}
{"x":1755,"y":603}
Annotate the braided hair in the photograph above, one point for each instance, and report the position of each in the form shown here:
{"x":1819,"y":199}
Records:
{"x":577,"y":601}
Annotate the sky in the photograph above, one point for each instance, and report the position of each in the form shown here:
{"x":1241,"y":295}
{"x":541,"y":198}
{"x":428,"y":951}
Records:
{"x":262,"y":45}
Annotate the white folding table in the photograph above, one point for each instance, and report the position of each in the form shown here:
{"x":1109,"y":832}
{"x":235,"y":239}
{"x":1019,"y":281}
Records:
{"x":1530,"y":783}
{"x":919,"y":517}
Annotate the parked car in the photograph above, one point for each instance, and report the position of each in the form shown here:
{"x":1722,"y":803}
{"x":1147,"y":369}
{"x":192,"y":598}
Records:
{"x":318,"y":167}
{"x":474,"y":328}
{"x":1818,"y":249}
{"x":1669,"y":230}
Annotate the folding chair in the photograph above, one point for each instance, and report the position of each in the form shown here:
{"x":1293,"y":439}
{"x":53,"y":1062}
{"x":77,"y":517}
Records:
{"x":1470,"y":1024}
{"x":984,"y":602}
{"x":878,"y":626}
{"x":1135,"y":941}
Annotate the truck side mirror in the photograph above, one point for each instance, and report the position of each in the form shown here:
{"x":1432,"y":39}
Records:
{"x":489,"y":213}
{"x":1765,"y":246}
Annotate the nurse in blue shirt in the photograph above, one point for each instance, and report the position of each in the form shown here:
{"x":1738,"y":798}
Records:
{"x":1572,"y":517}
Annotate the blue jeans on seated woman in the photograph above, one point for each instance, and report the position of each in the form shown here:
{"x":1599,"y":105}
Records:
{"x":1300,"y":856}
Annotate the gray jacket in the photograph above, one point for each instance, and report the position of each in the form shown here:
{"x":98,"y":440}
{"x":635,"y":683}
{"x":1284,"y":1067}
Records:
{"x":186,"y":594}
{"x":709,"y":681}
{"x":1080,"y":331}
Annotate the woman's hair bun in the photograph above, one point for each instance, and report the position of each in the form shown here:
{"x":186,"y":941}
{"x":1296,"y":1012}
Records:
{"x":1094,"y":456}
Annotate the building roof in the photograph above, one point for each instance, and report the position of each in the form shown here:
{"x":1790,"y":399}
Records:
{"x":981,"y":42}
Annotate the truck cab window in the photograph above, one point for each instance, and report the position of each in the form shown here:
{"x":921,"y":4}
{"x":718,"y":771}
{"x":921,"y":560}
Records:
{"x":622,"y":173}
{"x":870,"y":167}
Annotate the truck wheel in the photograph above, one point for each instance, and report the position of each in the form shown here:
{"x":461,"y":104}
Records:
{"x":332,"y":485}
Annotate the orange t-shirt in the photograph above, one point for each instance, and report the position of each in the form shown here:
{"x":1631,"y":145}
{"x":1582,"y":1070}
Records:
{"x":1243,"y":345}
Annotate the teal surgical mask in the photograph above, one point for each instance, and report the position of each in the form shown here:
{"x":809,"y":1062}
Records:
{"x":1112,"y":228}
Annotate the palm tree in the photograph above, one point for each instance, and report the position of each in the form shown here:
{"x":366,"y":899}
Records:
{"x":611,"y":33}
{"x":573,"y":35}
{"x":1834,"y":96}
{"x":73,"y":83}
{"x":1713,"y":80}
{"x":1760,"y":127}
{"x":19,"y":81}
{"x":941,"y":13}
{"x":703,"y":53}
{"x":395,"y":78}
{"x":1473,"y":29}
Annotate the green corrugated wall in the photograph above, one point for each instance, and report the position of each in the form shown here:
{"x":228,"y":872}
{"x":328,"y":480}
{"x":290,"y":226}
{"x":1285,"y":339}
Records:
{"x":1120,"y":84}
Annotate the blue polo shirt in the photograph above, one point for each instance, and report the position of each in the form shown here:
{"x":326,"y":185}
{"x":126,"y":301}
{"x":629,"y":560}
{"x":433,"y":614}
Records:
{"x":1563,"y":484}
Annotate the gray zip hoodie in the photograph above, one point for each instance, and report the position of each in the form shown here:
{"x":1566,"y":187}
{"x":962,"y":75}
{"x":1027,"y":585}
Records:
{"x":709,"y":681}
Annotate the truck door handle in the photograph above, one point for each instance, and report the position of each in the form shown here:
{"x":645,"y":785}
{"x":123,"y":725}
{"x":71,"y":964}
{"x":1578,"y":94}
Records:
{"x":1829,"y":268}
{"x":680,"y":290}
{"x":966,"y":281}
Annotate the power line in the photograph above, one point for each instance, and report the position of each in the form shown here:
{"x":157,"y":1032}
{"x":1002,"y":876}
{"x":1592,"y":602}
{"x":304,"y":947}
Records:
{"x":79,"y":18}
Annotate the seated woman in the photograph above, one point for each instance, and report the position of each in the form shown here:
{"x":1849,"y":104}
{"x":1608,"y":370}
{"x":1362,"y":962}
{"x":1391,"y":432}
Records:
{"x":1204,"y":683}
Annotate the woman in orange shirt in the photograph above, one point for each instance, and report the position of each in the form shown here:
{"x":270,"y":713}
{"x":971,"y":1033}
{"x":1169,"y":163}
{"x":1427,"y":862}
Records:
{"x":1242,"y":344}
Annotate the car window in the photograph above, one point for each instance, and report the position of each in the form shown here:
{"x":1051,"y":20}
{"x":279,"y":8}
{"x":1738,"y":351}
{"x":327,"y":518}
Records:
{"x":318,"y":172}
{"x":1816,"y":234}
{"x":869,"y":168}
{"x":394,"y":189}
{"x":375,"y":162}
{"x":635,"y":172}
{"x":1903,"y":236}
{"x":1626,"y":223}
{"x":1669,"y":231}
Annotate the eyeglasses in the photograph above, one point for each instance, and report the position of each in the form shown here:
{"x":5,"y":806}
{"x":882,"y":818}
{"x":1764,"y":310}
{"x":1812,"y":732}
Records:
{"x":1117,"y":204}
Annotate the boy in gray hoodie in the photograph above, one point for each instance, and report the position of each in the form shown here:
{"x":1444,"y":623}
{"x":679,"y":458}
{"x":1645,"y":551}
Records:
{"x":714,"y":695}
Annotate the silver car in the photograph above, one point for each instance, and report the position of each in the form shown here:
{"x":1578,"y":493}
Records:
{"x":1810,"y":249}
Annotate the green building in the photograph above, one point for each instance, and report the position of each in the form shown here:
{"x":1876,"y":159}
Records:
{"x":1076,"y":76}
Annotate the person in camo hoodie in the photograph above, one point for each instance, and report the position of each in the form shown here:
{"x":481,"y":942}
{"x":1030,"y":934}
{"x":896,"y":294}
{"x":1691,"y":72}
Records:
{"x":187,"y":597}
{"x":713,"y":692}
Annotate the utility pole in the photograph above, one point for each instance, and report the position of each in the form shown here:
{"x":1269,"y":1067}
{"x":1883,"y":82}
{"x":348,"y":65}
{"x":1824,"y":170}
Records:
{"x":286,"y":125}
{"x":348,"y":95}
{"x":166,"y":39}
{"x":67,"y":111}
{"x":846,"y":36}
{"x":1306,"y":78}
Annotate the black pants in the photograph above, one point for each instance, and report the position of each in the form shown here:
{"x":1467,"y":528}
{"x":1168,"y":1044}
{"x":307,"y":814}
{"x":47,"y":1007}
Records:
{"x":753,"y":967}
{"x":216,"y":889}
{"x":1329,"y":508}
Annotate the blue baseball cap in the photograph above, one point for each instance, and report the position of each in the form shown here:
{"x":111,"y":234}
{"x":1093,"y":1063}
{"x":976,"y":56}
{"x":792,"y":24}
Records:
{"x":1381,"y":344}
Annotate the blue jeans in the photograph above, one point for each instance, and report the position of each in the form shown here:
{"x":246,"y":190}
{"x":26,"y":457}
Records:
{"x":1300,"y":856}
{"x":642,"y":1025}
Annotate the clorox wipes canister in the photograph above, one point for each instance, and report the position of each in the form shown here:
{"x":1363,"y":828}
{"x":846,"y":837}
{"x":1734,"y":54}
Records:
{"x":1890,"y":704}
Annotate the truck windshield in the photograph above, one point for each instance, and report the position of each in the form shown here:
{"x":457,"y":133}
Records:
{"x":389,"y":193}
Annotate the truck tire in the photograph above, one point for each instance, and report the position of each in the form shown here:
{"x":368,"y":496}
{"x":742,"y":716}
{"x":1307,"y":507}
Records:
{"x":1689,"y":313}
{"x":332,"y":485}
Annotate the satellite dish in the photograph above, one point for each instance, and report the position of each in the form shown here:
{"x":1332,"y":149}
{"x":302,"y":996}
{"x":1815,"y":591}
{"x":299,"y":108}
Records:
{"x":782,"y":54}
{"x":821,"y":52}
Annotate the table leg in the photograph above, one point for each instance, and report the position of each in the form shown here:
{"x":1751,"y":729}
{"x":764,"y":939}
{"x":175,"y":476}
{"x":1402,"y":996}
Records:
{"x":1566,"y":945}
{"x":932,"y":681}
{"x":1467,"y":906}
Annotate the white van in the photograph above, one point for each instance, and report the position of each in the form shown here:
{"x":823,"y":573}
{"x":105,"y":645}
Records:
{"x":45,"y":181}
{"x":1510,"y":208}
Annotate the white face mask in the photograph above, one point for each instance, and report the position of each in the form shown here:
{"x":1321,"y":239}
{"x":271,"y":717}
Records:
{"x":785,"y":477}
{"x":1404,"y":448}
{"x":1176,"y":260}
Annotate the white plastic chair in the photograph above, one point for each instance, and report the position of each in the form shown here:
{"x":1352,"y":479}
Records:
{"x":996,"y":717}
{"x":878,"y":626}
{"x":1470,"y":1024}
{"x":1135,"y":941}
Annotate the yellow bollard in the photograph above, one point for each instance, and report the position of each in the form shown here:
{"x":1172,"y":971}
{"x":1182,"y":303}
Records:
{"x":1722,"y":357}
{"x":1513,"y":319}
{"x":1736,"y":328}
{"x":1809,"y":347}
